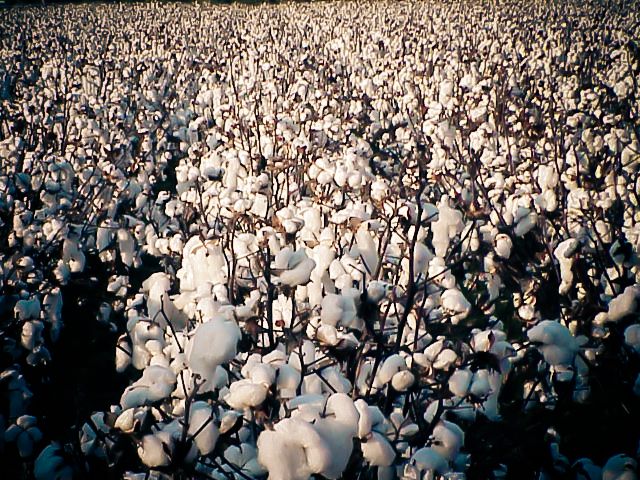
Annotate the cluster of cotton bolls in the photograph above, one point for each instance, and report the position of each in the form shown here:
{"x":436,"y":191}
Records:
{"x":332,"y":240}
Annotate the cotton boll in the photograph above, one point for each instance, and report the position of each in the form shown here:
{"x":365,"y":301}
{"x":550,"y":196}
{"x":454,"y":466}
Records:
{"x":123,"y":354}
{"x":402,"y":380}
{"x":632,"y":336}
{"x":460,"y":381}
{"x":426,"y":461}
{"x":245,"y":394}
{"x":298,"y":270}
{"x":447,"y":439}
{"x":620,"y":467}
{"x":563,"y":253}
{"x":51,"y":464}
{"x":25,"y":434}
{"x":377,"y":451}
{"x":392,"y":365}
{"x":157,"y":383}
{"x":213,"y":343}
{"x":282,"y":457}
{"x":624,"y":304}
{"x":152,"y":451}
{"x":586,"y":470}
{"x":31,"y":335}
{"x":558,"y":347}
{"x":445,"y":359}
{"x":454,"y":301}
{"x":202,"y":428}
{"x":503,"y":245}
{"x":367,"y":249}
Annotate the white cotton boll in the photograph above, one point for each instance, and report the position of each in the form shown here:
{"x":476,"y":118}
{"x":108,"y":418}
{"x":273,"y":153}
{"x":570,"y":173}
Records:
{"x":454,"y":301}
{"x":245,"y":394}
{"x":213,"y":343}
{"x":27,"y":309}
{"x":402,"y":380}
{"x":327,"y":335}
{"x":448,"y":225}
{"x":526,"y":224}
{"x":377,"y":450}
{"x":338,"y":433}
{"x":201,"y":422}
{"x":460,"y":381}
{"x":564,"y":253}
{"x":559,"y":346}
{"x":152,"y":451}
{"x":127,"y":246}
{"x":126,"y":420}
{"x":421,"y":258}
{"x":288,"y":381}
{"x":365,"y":419}
{"x":299,"y":273}
{"x":283,"y":459}
{"x":447,"y":439}
{"x":392,"y":365}
{"x":157,"y":383}
{"x":337,"y":309}
{"x":620,"y":467}
{"x":503,"y":245}
{"x":123,"y":354}
{"x":31,"y":334}
{"x":73,"y":256}
{"x":427,"y":461}
{"x":367,"y":249}
{"x":480,"y":386}
{"x":632,"y":336}
{"x":263,"y":374}
{"x":445,"y":359}
{"x":624,"y":304}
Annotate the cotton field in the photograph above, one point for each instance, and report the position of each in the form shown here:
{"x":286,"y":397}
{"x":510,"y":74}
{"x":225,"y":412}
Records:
{"x":360,"y":240}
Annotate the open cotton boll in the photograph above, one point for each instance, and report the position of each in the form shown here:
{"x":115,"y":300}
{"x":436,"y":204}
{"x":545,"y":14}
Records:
{"x":377,"y":450}
{"x":338,"y":309}
{"x":245,"y":394}
{"x":73,"y":256}
{"x":159,"y":304}
{"x":447,"y":439}
{"x":298,"y":269}
{"x":632,"y":336}
{"x":157,"y":383}
{"x":460,"y":382}
{"x":202,"y":428}
{"x":426,"y":461}
{"x":338,"y":432}
{"x":503,"y":245}
{"x":620,"y":467}
{"x":403,"y":380}
{"x":51,"y":464}
{"x":454,"y":302}
{"x":367,"y":249}
{"x":31,"y":335}
{"x":293,"y":451}
{"x":558,"y":347}
{"x":624,"y":304}
{"x":152,"y":450}
{"x":391,"y":365}
{"x":564,"y":254}
{"x":25,"y":434}
{"x":212,"y":344}
{"x":27,"y":309}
